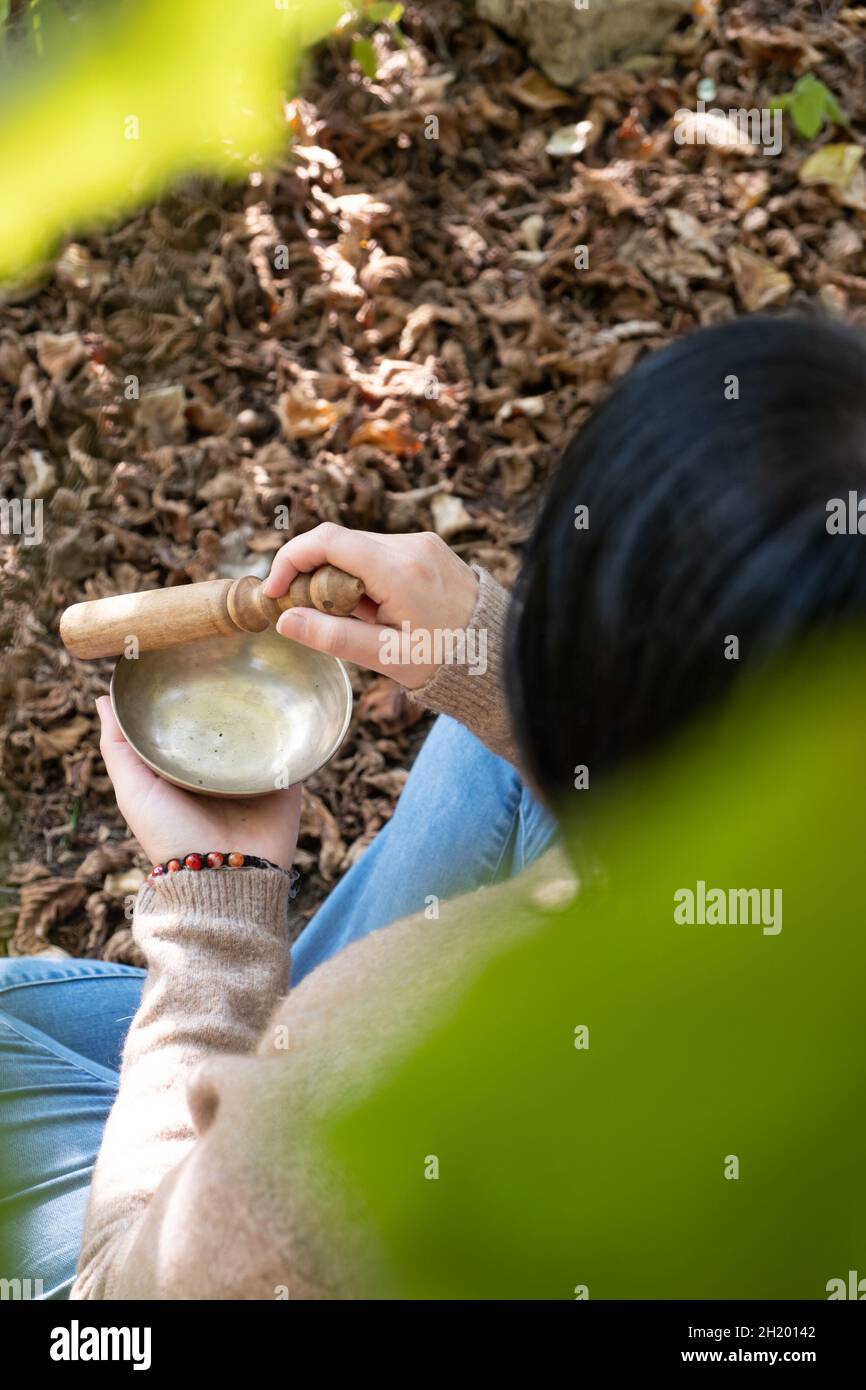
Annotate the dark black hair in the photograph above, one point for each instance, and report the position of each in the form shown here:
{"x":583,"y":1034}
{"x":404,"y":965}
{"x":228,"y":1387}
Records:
{"x":707,"y":475}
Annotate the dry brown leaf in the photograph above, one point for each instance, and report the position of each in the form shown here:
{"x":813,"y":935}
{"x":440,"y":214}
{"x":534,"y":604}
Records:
{"x":532,"y":89}
{"x":62,"y":739}
{"x":853,"y":195}
{"x":381,"y":269}
{"x":393,"y":378}
{"x":120,"y":884}
{"x":303,"y":416}
{"x":391,"y":436}
{"x":40,"y":476}
{"x":361,"y":210}
{"x":13,"y":360}
{"x":60,"y":353}
{"x":162,"y":414}
{"x":711,"y":131}
{"x":449,"y":515}
{"x":608,"y":185}
{"x":98,"y":909}
{"x":122,"y":948}
{"x":44,"y":903}
{"x":318,"y":823}
{"x":781,"y":44}
{"x":390,"y":782}
{"x":749,"y":189}
{"x":387,"y":705}
{"x":49,"y":704}
{"x":833,"y":165}
{"x":91,"y":468}
{"x":106,"y":859}
{"x":759,"y":283}
{"x":208,"y":417}
{"x":76,"y":269}
{"x":220,"y":486}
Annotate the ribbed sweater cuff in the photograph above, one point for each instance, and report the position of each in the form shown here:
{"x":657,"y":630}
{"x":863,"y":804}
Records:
{"x":201,"y":899}
{"x":477,"y":700}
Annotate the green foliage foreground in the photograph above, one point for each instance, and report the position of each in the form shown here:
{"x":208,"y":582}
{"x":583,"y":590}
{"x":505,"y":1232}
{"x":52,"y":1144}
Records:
{"x":150,"y":92}
{"x":605,"y":1167}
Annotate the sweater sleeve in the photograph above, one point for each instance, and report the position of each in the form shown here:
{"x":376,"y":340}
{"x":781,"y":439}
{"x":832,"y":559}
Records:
{"x":472,"y":691}
{"x":216,"y":945}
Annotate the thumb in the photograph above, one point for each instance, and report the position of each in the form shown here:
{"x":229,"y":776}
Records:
{"x":347,"y":638}
{"x":128,"y":773}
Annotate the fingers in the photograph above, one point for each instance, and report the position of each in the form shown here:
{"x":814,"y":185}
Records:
{"x":347,"y":638}
{"x":367,"y":611}
{"x":361,"y":553}
{"x":110,"y":729}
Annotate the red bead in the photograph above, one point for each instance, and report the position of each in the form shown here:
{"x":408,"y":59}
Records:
{"x":215,"y":860}
{"x":236,"y":861}
{"x":157,"y":871}
{"x":193,"y":861}
{"x":173,"y":865}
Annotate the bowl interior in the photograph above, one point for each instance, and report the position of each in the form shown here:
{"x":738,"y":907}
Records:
{"x":233,"y":716}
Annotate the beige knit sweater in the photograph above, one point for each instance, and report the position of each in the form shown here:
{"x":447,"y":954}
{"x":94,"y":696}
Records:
{"x":206,"y":1184}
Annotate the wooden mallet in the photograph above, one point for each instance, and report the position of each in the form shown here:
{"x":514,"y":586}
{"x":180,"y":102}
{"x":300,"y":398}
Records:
{"x":161,"y":618}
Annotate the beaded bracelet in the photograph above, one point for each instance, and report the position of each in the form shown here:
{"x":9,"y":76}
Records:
{"x":218,"y":859}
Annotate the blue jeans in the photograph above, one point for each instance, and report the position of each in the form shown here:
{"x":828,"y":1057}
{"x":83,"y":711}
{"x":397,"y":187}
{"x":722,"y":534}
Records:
{"x":463,"y":821}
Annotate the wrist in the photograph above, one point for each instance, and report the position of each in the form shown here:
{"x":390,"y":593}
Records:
{"x":207,"y":862}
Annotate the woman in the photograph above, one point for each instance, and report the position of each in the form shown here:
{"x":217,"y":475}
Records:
{"x":684,"y":539}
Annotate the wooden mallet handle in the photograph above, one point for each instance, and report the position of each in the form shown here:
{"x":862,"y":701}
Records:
{"x":218,"y":607}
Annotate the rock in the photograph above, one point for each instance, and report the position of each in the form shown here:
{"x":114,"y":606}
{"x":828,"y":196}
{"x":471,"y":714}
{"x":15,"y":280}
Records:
{"x":568,"y":41}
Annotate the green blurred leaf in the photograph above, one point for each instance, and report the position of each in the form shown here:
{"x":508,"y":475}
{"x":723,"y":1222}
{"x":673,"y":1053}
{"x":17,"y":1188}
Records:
{"x":364,"y":54}
{"x":152,"y":92}
{"x":605,"y":1167}
{"x":384,"y":12}
{"x":834,"y":110}
{"x":809,"y":104}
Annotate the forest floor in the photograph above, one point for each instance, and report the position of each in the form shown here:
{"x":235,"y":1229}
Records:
{"x":172,"y":381}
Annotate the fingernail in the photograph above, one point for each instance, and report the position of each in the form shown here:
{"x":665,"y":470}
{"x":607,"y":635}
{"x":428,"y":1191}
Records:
{"x":292,"y":623}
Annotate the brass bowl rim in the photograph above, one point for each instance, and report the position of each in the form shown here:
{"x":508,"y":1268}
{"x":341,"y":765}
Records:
{"x":197,"y":789}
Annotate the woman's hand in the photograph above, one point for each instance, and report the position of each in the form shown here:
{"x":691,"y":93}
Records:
{"x":169,"y":822}
{"x":414,"y":579}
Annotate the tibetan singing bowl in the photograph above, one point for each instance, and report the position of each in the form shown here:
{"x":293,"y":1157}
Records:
{"x":233,"y":716}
